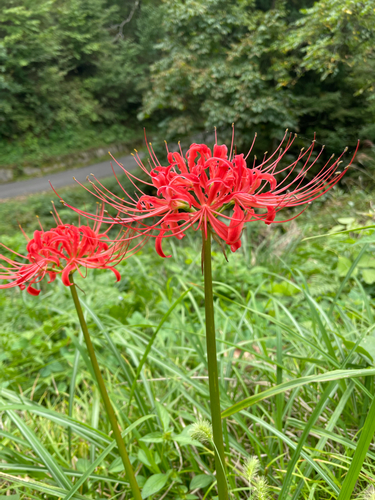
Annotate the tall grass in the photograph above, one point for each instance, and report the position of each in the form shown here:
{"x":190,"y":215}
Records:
{"x":296,"y":341}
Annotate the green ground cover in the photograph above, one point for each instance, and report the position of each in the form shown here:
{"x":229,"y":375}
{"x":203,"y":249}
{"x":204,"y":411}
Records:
{"x":285,"y":309}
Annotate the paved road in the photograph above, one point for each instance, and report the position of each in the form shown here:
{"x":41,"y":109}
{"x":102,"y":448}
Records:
{"x":62,"y":179}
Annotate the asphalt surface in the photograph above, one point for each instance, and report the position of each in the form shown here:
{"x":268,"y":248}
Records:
{"x":65,"y":178}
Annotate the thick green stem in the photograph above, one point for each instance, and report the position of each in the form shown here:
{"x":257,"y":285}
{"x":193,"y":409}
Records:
{"x":213,"y":373}
{"x":107,"y":403}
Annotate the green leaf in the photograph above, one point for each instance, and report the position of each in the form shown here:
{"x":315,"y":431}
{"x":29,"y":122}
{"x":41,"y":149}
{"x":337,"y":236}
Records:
{"x":201,"y":481}
{"x":343,"y":266}
{"x":368,"y":276}
{"x":140,"y":480}
{"x":368,"y":344}
{"x":346,"y":220}
{"x":367,"y":261}
{"x":83,"y":464}
{"x":154,"y":484}
{"x":10,"y":497}
{"x":153,"y":437}
{"x":143,"y":458}
{"x":116,"y":466}
{"x":292,"y":384}
{"x":348,"y":275}
{"x":360,"y":348}
{"x":285,"y":288}
{"x":164,"y":415}
{"x":364,"y":442}
{"x":101,"y":457}
{"x":39,"y":486}
{"x":183,"y":440}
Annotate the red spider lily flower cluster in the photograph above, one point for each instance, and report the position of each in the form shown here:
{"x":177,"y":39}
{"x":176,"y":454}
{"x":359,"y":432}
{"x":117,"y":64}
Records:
{"x":196,"y":190}
{"x":63,"y":250}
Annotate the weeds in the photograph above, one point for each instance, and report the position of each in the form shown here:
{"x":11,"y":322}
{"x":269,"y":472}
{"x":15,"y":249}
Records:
{"x":301,"y":309}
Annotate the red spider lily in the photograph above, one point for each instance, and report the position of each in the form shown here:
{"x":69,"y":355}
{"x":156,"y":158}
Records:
{"x":196,"y":190}
{"x":63,"y":250}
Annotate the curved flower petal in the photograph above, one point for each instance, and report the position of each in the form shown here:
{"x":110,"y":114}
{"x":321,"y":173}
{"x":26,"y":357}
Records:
{"x":33,"y":291}
{"x":271,"y":214}
{"x":236,"y":246}
{"x":236,"y":225}
{"x":158,"y":248}
{"x":65,"y":274}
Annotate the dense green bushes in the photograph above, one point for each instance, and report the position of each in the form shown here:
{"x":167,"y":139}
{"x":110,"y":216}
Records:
{"x":65,"y":69}
{"x":267,"y":68}
{"x":183,"y":66}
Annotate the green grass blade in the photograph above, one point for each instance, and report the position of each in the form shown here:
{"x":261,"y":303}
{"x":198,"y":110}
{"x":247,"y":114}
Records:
{"x":94,"y":419}
{"x":282,"y":325}
{"x":284,"y":493}
{"x":348,"y":274}
{"x":292,"y":384}
{"x":38,"y":448}
{"x":329,"y":428}
{"x":293,"y":445}
{"x":29,"y":469}
{"x":39,"y":486}
{"x":81,"y":429}
{"x":125,"y":369}
{"x":151,"y":342}
{"x":364,"y":442}
{"x":72,"y":386}
{"x":102,"y":456}
{"x":347,"y":231}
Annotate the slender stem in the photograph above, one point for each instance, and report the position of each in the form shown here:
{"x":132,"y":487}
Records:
{"x":107,"y":403}
{"x":213,"y":374}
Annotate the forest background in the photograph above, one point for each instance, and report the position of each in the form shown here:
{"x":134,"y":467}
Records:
{"x":83,"y":74}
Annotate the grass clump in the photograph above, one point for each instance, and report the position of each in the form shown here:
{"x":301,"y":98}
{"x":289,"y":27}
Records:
{"x":307,"y":293}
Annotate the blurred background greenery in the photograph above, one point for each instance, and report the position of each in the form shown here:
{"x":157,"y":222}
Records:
{"x":81,"y":74}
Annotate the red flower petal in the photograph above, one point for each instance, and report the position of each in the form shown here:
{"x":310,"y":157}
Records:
{"x":158,"y":248}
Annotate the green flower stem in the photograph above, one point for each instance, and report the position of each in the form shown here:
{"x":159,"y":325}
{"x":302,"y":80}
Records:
{"x":107,"y":403}
{"x":213,"y":374}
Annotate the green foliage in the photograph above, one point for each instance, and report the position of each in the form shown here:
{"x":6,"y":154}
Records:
{"x":288,"y":289}
{"x":71,"y":79}
{"x":63,"y":67}
{"x":217,"y":67}
{"x":265,"y":66}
